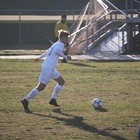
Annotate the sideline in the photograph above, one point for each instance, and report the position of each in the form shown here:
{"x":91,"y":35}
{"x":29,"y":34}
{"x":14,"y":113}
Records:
{"x":96,"y":57}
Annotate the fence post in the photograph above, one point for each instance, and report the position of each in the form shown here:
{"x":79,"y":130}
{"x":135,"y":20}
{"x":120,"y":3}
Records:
{"x":73,"y":16}
{"x":19,"y":27}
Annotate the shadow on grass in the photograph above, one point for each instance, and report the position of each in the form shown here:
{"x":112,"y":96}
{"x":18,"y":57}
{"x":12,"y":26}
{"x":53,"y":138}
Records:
{"x":80,"y":64}
{"x":101,"y":110}
{"x":77,"y":121}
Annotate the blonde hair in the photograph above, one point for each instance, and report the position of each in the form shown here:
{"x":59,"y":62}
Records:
{"x":62,"y":33}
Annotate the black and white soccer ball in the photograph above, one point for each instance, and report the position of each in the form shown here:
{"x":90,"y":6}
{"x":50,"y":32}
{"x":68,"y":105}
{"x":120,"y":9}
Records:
{"x":97,"y":103}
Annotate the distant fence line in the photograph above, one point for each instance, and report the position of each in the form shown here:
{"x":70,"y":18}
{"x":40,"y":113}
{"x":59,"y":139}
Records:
{"x":40,"y":12}
{"x":31,"y":33}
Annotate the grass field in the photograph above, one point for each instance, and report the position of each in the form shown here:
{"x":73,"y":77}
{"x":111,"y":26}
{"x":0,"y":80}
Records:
{"x":116,"y":83}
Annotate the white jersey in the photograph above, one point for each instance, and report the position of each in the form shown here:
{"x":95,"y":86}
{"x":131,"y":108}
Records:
{"x":52,"y":55}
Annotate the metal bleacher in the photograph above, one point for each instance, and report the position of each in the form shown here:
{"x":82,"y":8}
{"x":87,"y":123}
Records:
{"x":120,"y":33}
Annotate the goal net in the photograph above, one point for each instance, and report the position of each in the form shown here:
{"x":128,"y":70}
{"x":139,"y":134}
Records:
{"x":86,"y":25}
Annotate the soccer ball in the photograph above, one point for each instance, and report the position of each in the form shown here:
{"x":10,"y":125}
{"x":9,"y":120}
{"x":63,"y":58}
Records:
{"x":97,"y":103}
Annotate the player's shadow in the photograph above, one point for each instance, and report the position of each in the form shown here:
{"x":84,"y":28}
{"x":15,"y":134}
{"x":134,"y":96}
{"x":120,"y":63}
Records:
{"x":78,"y":122}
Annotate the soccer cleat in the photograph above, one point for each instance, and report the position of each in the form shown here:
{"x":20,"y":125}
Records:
{"x":25,"y":105}
{"x":53,"y":102}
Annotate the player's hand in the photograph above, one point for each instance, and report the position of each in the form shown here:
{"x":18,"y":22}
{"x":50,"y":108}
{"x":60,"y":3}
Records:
{"x":68,"y":57}
{"x":36,"y":59}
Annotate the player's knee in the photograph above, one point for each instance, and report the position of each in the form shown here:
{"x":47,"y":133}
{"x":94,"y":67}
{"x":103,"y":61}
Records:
{"x":41,"y":87}
{"x":62,"y":82}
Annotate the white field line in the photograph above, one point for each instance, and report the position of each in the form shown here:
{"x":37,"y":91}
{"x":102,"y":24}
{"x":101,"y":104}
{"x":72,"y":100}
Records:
{"x":81,"y":57}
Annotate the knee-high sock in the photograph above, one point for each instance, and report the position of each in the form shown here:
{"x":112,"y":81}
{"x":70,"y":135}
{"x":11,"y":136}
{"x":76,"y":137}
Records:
{"x":32,"y":94}
{"x":56,"y":91}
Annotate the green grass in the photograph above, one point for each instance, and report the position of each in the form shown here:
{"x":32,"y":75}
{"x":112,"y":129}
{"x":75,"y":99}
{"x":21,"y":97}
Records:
{"x":116,"y":83}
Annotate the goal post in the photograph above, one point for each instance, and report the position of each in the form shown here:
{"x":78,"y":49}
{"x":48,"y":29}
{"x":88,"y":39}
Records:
{"x":87,"y":26}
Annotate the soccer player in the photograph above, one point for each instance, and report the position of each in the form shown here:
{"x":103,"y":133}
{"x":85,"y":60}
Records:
{"x":62,"y":25}
{"x":49,"y":71}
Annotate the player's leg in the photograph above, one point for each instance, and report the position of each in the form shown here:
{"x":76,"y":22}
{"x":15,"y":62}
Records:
{"x":44,"y":79}
{"x":59,"y":86}
{"x":35,"y":91}
{"x":32,"y":94}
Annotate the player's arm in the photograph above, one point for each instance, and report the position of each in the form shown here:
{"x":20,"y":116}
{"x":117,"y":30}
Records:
{"x":67,"y":51}
{"x":67,"y":47}
{"x":41,"y":56}
{"x":61,"y":54}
